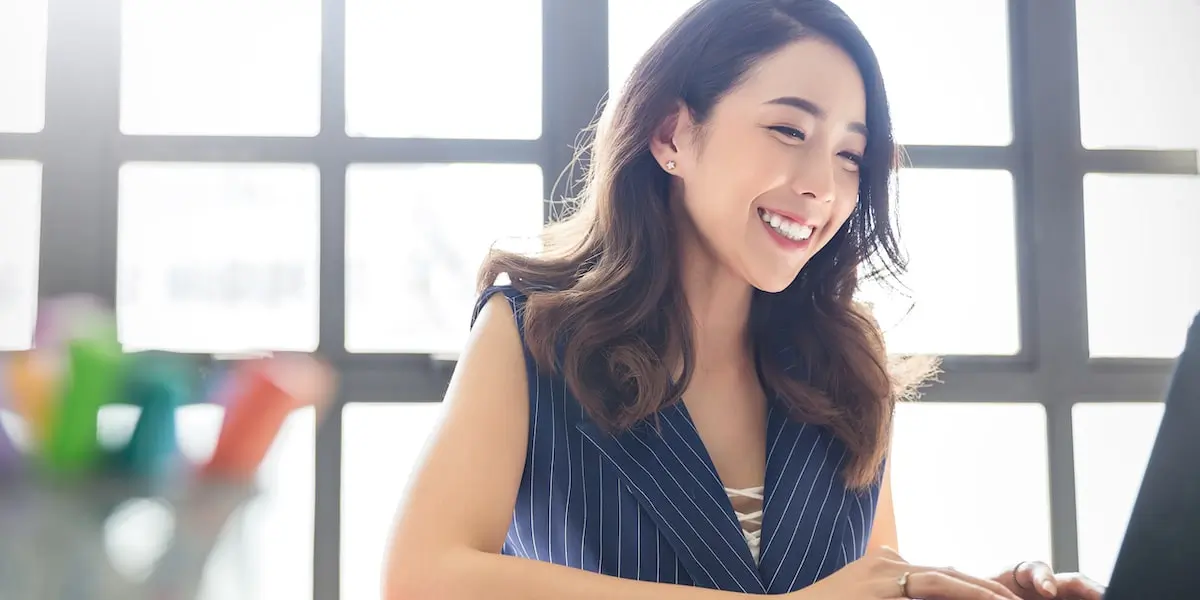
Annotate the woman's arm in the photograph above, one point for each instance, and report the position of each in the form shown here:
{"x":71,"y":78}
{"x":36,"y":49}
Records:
{"x":459,"y":505}
{"x":883,"y":532}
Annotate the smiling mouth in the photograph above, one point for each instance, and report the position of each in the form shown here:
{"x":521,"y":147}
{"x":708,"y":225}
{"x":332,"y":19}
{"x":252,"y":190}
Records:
{"x":784,"y":226}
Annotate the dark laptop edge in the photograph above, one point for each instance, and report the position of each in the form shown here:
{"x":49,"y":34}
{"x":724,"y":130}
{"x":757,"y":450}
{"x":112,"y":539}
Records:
{"x":1160,"y":554}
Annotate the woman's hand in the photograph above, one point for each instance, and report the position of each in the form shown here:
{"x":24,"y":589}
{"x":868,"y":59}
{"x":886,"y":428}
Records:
{"x":1033,"y":580}
{"x":883,"y":575}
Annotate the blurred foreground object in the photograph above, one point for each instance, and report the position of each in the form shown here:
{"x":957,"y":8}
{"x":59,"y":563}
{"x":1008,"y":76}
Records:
{"x":61,"y":488}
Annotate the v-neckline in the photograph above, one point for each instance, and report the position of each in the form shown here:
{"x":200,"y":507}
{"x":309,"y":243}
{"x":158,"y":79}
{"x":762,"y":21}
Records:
{"x":671,"y":473}
{"x":714,"y":478}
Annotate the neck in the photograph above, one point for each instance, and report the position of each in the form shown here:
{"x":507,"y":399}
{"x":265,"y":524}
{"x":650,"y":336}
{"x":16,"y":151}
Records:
{"x":720,"y":308}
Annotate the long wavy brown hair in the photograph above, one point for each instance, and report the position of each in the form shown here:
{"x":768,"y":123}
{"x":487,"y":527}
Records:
{"x":605,"y":309}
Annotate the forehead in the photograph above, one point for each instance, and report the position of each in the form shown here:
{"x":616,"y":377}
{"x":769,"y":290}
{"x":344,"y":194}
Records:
{"x":814,"y":69}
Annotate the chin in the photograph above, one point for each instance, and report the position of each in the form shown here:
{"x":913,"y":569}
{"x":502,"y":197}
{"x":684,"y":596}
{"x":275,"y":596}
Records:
{"x":772,"y":283}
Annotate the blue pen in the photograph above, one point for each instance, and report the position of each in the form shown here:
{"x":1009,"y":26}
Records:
{"x":159,"y":384}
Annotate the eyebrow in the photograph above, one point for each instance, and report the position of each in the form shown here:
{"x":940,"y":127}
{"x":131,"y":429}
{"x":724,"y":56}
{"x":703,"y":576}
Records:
{"x":815,"y":110}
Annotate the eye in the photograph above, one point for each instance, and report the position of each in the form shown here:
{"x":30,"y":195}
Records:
{"x":857,"y":159}
{"x":791,"y":132}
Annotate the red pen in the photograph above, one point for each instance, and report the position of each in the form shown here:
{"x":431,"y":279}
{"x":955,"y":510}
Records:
{"x":267,"y":392}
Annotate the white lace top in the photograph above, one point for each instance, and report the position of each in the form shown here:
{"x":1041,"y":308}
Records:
{"x":751,"y":522}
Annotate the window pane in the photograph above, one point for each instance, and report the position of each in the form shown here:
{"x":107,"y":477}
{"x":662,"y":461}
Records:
{"x":454,"y":69}
{"x":633,"y":26}
{"x":958,"y":229}
{"x":22,"y":65}
{"x":1143,"y":268}
{"x":941,"y":97}
{"x":415,"y":236}
{"x":376,"y":438}
{"x":20,"y":224}
{"x":218,"y":257}
{"x":972,"y":107}
{"x":1138,"y":89}
{"x":949,"y":510}
{"x":221,"y":67}
{"x":1112,"y":448}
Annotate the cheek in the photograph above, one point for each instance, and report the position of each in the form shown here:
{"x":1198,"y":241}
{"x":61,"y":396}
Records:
{"x":843,"y":208}
{"x":727,"y":184}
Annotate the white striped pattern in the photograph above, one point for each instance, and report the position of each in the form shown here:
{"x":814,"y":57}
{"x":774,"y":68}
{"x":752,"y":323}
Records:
{"x":648,"y":504}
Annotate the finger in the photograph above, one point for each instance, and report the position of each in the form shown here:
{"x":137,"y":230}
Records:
{"x":1036,"y":576}
{"x":938,"y":585}
{"x":994,"y":586}
{"x":966,"y":582}
{"x":1074,"y":585}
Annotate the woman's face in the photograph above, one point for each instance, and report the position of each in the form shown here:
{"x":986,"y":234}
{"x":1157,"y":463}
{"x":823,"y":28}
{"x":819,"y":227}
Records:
{"x":775,"y":172}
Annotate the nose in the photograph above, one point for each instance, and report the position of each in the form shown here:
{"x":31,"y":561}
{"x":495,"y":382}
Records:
{"x":813,"y":176}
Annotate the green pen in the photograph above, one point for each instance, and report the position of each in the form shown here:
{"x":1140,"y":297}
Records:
{"x":92,"y":379}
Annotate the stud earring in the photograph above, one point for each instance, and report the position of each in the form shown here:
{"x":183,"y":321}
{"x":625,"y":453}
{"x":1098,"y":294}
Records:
{"x":670,"y":165}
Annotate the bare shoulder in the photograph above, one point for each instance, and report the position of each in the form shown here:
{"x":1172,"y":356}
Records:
{"x":464,"y":488}
{"x":495,"y":343}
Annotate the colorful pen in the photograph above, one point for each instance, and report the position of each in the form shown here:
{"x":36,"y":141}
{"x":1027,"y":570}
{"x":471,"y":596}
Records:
{"x":31,"y":385}
{"x":92,"y":378}
{"x":158,"y":384}
{"x":268,"y":391}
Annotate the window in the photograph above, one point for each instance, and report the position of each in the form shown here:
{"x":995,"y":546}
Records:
{"x":1143,"y":263}
{"x":218,"y":257}
{"x":1112,"y":449}
{"x":940,"y":96}
{"x":221,"y":67}
{"x":633,"y":25}
{"x":910,"y":38}
{"x":22,"y":65}
{"x":381,"y":445}
{"x":447,"y":122}
{"x":949,"y":510}
{"x":415,"y":236}
{"x":1137,"y":73}
{"x":960,"y":294}
{"x":454,"y":69}
{"x":20,"y":222}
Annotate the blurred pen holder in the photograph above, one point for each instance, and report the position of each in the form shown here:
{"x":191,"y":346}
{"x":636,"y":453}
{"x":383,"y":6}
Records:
{"x":110,"y":539}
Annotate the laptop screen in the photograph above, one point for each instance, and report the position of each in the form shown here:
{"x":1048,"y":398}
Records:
{"x":1160,"y":555}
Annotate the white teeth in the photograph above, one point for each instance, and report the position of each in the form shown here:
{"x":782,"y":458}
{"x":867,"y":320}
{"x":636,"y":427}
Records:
{"x":785,"y":227}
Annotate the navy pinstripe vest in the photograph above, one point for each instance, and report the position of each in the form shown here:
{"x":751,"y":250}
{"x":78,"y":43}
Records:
{"x":647,"y":504}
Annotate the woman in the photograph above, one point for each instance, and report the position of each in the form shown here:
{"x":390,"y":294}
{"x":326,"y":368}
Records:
{"x":678,"y":397}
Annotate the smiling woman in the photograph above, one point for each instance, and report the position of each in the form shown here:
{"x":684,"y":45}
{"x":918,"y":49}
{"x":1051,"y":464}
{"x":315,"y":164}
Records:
{"x":679,"y":391}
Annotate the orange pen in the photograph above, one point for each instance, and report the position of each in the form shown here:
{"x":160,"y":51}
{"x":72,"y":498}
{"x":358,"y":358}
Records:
{"x":31,"y":379}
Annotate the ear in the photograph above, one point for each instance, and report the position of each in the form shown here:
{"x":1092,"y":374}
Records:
{"x":668,"y":139}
